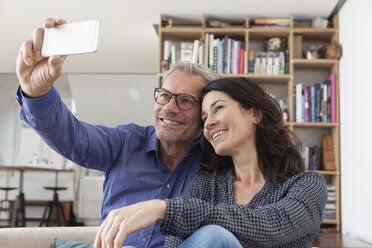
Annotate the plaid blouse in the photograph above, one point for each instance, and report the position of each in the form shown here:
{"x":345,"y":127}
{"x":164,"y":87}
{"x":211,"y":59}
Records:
{"x":285,"y":214}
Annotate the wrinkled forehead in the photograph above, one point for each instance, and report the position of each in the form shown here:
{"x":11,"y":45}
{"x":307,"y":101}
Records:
{"x":179,"y":82}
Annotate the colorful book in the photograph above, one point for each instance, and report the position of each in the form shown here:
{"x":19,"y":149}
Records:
{"x":332,"y":78}
{"x":306,"y":104}
{"x":299,"y":102}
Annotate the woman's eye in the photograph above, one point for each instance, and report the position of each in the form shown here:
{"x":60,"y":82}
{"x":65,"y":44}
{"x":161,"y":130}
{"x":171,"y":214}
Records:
{"x":217,"y":108}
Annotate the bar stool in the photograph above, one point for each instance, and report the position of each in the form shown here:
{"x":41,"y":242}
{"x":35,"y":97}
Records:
{"x":18,"y":210}
{"x":6,"y":202}
{"x":56,"y":205}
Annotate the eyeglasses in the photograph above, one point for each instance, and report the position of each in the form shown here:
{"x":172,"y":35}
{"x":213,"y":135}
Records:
{"x":183,"y":101}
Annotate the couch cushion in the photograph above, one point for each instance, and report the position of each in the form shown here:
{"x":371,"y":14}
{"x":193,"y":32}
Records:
{"x":63,"y":243}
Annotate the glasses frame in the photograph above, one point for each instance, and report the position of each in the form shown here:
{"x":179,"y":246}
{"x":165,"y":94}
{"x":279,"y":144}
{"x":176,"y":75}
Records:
{"x":176,"y":98}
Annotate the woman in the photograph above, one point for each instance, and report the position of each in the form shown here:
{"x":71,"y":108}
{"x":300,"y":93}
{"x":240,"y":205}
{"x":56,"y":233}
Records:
{"x":252,"y":190}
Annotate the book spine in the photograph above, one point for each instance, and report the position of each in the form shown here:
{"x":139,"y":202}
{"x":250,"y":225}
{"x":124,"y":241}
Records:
{"x":281,"y":63}
{"x":298,"y":102}
{"x":215,"y":57}
{"x":225,"y":54}
{"x":324,"y":102}
{"x":317,"y":103}
{"x":309,"y":103}
{"x":241,"y":62}
{"x":270,"y":62}
{"x":206,"y":50}
{"x":313,"y":103}
{"x":211,"y":43}
{"x":220,"y":57}
{"x":329,"y":101}
{"x":286,"y":62}
{"x":332,"y":77}
{"x":263,"y":63}
{"x":294,"y":103}
{"x":251,"y":62}
{"x":195,"y":52}
{"x":306,"y":104}
{"x":276,"y":67}
{"x":229,"y":45}
{"x":173,"y":55}
{"x":237,"y":67}
{"x":257,"y":63}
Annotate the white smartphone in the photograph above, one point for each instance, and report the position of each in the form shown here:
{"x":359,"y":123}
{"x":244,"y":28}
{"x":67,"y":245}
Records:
{"x":71,"y":38}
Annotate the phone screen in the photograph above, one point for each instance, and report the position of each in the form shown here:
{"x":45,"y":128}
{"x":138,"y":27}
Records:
{"x":71,"y":38}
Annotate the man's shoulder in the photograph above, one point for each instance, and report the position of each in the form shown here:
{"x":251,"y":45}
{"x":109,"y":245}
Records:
{"x":135,"y":129}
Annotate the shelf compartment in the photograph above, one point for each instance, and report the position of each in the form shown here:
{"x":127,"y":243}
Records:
{"x":314,"y":63}
{"x":324,"y":172}
{"x":264,"y":33}
{"x":316,"y":33}
{"x":315,"y":124}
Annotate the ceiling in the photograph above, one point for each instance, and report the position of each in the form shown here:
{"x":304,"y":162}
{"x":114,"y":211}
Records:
{"x":129,"y":43}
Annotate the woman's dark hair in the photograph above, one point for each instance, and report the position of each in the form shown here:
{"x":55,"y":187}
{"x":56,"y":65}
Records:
{"x":278,"y":157}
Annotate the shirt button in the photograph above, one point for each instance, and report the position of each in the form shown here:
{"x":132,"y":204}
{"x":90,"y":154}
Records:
{"x":168,"y":186}
{"x":144,"y":239}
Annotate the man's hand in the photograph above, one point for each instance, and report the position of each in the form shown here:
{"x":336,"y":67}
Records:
{"x":123,"y":221}
{"x":36,"y":74}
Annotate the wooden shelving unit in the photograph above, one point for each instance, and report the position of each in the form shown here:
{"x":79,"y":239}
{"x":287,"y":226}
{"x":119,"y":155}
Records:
{"x":307,"y":130}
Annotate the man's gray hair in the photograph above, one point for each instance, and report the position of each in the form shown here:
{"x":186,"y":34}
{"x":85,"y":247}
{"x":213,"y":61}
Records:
{"x":191,"y":69}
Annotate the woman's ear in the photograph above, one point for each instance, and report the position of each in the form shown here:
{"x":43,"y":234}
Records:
{"x":257,"y":116}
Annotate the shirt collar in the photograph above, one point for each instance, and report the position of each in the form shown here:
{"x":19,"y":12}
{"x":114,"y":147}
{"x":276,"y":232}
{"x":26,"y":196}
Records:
{"x":153,"y":144}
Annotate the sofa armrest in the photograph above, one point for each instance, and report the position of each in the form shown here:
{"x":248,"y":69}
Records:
{"x":43,"y":237}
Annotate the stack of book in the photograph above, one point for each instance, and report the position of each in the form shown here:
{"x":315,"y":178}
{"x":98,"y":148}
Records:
{"x":269,"y":22}
{"x":315,"y":103}
{"x":268,"y":62}
{"x":311,"y":156}
{"x":302,"y":23}
{"x":330,"y":208}
{"x":185,"y":51}
{"x":224,"y":55}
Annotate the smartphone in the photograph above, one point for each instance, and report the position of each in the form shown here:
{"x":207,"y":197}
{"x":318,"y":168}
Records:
{"x":71,"y":38}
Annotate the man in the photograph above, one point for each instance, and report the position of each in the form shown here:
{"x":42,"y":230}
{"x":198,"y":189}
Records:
{"x":140,"y":163}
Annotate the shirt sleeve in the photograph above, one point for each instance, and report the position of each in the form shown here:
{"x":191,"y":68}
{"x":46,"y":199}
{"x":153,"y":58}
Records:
{"x":94,"y":147}
{"x":295,"y":215}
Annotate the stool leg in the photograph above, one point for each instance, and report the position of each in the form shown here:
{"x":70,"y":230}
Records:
{"x":51,"y":207}
{"x":15,"y":213}
{"x":22,"y":209}
{"x":62,"y":212}
{"x":43,"y":220}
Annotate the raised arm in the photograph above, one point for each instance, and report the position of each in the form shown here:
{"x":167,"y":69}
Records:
{"x":37,"y":74}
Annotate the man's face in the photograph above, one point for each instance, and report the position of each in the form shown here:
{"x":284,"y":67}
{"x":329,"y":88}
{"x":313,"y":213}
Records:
{"x":172,"y":124}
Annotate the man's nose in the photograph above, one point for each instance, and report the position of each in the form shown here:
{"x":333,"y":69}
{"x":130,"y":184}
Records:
{"x":171,"y":106}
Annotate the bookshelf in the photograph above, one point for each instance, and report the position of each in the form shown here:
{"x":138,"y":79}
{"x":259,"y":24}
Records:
{"x":299,"y":70}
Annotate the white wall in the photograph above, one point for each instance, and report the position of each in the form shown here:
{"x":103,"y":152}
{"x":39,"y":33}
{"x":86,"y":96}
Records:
{"x":113,"y":99}
{"x":356,"y":118}
{"x":8,"y":124}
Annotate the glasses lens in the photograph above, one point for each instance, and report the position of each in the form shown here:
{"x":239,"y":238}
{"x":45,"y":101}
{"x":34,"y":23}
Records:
{"x":185,"y":102}
{"x":162,"y":96}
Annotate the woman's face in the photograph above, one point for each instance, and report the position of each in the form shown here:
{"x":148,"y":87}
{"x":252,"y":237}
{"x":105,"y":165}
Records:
{"x":227,"y":126}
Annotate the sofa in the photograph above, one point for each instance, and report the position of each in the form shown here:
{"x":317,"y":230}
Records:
{"x":43,"y":237}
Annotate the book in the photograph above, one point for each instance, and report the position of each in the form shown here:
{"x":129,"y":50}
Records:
{"x":225,"y":54}
{"x":220,"y":57}
{"x":257,"y":63}
{"x":306,"y":104}
{"x":187,"y":51}
{"x":251,"y":61}
{"x":211,"y":42}
{"x":332,"y":78}
{"x":206,"y":50}
{"x":276,"y":64}
{"x":270,"y":62}
{"x":241,"y":62}
{"x":263,"y":63}
{"x":195,"y":52}
{"x":281,"y":63}
{"x":299,"y":102}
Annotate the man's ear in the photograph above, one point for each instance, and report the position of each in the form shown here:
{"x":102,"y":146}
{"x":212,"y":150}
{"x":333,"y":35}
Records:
{"x":257,"y":116}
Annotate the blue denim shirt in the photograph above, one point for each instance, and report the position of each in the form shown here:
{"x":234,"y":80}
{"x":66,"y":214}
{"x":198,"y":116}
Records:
{"x":127,"y":154}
